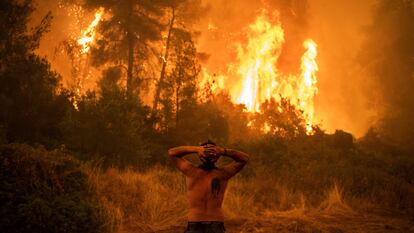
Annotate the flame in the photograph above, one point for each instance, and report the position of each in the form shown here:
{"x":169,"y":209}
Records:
{"x":215,"y":82}
{"x":257,"y":63}
{"x":260,"y":79}
{"x":307,"y":88}
{"x":88,"y":35}
{"x":85,"y":41}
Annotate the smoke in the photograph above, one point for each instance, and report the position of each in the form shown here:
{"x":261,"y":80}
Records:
{"x":226,"y":21}
{"x":344,"y":95}
{"x":388,"y":55}
{"x":69,"y":21}
{"x":61,"y":29}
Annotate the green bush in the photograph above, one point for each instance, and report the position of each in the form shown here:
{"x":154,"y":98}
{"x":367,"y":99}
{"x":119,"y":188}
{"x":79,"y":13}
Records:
{"x":45,"y":191}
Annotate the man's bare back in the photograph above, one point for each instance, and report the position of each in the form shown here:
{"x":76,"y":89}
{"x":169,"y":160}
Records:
{"x":204,"y":199}
{"x":206,"y":184}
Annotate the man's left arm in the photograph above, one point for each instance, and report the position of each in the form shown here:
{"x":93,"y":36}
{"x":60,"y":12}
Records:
{"x":239,"y":160}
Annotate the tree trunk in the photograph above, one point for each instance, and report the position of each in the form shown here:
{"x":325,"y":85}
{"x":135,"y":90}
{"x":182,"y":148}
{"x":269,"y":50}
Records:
{"x":164,"y":65}
{"x":130,"y":64}
{"x":177,"y":104}
{"x":131,"y":45}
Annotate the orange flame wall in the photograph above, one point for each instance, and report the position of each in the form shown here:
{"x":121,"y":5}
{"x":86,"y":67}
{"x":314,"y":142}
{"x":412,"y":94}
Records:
{"x":257,"y":75}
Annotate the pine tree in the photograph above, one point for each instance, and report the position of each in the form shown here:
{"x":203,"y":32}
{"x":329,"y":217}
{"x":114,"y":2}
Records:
{"x":125,"y":34}
{"x":180,"y":87}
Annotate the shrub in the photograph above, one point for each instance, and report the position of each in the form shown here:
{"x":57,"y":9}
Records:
{"x":45,"y":191}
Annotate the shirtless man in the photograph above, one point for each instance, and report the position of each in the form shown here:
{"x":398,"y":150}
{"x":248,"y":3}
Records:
{"x":206,"y":184}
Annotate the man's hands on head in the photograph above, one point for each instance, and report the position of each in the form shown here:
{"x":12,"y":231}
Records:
{"x":214,"y":151}
{"x":210,"y":153}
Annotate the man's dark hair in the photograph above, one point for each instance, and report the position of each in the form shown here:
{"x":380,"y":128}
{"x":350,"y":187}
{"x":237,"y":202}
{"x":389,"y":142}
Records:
{"x":209,"y":142}
{"x":215,"y":183}
{"x":208,"y":165}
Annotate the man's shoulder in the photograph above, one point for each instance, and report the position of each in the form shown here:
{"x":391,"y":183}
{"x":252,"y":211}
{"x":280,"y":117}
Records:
{"x":200,"y":171}
{"x":218,"y":172}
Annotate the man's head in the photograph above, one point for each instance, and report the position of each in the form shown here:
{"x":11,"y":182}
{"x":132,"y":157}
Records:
{"x":208,"y":143}
{"x":208,"y":157}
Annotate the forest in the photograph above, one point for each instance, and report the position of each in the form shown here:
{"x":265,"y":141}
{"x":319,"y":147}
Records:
{"x":84,"y":149}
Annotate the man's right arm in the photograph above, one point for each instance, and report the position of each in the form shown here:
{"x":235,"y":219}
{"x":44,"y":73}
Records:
{"x":239,"y":160}
{"x":176,"y":155}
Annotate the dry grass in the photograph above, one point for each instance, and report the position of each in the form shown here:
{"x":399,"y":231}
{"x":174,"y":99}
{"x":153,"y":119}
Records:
{"x":155,"y":200}
{"x":140,"y":201}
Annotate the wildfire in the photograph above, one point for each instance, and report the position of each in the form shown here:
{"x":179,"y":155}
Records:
{"x":260,"y":78}
{"x":88,"y":36}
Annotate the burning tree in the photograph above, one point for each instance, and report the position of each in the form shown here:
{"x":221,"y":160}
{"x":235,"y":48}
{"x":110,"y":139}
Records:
{"x":78,"y":51}
{"x":125,"y":34}
{"x":182,"y":15}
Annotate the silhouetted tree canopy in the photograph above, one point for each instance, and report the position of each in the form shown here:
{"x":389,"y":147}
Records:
{"x":125,"y":34}
{"x":31,"y":101}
